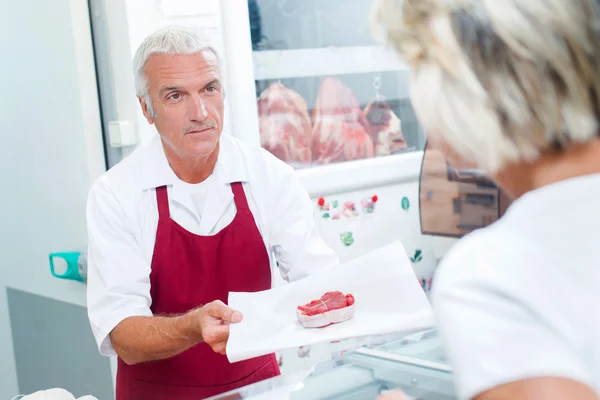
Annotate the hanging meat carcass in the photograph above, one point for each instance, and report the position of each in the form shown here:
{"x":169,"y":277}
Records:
{"x":385,"y":128}
{"x":340,"y":129}
{"x":284,"y":124}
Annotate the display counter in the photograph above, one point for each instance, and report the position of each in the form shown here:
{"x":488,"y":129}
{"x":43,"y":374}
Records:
{"x":415,"y":364}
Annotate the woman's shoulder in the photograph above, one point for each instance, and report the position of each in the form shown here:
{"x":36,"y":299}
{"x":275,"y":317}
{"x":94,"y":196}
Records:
{"x":500,"y":314}
{"x":482,"y":254}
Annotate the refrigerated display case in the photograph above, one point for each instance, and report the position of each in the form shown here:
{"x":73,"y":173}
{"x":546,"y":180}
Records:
{"x":415,"y":364}
{"x":316,"y":90}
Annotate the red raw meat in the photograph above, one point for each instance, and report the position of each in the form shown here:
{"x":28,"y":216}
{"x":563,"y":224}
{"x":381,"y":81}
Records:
{"x":385,"y":128}
{"x":284,"y":125}
{"x":329,"y":301}
{"x":339,"y":125}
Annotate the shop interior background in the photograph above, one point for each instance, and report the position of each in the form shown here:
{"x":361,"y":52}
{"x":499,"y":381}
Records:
{"x":69,"y":112}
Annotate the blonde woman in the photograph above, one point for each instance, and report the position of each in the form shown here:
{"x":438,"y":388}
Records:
{"x":513,"y":86}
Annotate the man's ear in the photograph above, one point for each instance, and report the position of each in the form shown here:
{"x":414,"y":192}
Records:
{"x":145,"y":110}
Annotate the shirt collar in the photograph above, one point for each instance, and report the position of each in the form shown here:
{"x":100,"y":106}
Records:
{"x":156,"y":171}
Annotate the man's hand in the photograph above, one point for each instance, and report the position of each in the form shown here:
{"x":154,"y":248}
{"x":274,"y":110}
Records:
{"x":214,"y":319}
{"x":142,"y":339}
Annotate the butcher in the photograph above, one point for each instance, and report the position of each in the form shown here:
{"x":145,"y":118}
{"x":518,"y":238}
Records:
{"x":185,"y":219}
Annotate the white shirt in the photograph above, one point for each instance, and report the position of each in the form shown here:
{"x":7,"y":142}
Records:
{"x":122,"y":217}
{"x":520,"y":298}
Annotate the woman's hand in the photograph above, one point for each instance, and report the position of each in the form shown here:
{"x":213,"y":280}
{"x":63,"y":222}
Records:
{"x":393,"y":395}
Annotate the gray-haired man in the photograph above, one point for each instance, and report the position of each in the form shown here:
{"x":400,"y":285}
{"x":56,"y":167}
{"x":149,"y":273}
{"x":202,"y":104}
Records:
{"x":182,"y":222}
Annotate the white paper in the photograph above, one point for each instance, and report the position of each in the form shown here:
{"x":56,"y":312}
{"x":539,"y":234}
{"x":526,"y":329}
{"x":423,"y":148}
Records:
{"x":388,"y":298}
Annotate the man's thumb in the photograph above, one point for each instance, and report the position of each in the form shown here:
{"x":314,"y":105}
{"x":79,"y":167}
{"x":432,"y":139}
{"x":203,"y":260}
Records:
{"x":226,"y":313}
{"x":235,"y":316}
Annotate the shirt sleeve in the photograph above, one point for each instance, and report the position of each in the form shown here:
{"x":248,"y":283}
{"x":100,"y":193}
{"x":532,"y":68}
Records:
{"x":298,"y":247}
{"x":118,"y":284}
{"x":493,"y":334}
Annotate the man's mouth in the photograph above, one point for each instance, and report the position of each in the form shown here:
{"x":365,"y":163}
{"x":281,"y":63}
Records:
{"x":199,"y":130}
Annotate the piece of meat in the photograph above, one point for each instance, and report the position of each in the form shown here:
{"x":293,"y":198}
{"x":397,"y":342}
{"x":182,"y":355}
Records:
{"x":335,"y":141}
{"x":328,"y":302}
{"x":339,"y":125}
{"x":385,"y":128}
{"x":284,"y":125}
{"x":337,"y":100}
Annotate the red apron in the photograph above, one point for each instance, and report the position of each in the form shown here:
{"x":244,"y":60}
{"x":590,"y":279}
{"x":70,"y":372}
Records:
{"x":189,"y":270}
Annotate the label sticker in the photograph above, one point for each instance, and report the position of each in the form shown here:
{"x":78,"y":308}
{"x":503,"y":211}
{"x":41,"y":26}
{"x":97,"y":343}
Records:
{"x":417,"y":257}
{"x":368,"y":204}
{"x":405,"y":203}
{"x":347,"y":238}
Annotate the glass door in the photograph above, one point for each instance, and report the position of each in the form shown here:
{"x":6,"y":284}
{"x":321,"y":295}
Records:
{"x":324,"y":92}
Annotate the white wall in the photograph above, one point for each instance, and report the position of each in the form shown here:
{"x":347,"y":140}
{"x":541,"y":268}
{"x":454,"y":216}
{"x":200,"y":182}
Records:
{"x":51,"y":150}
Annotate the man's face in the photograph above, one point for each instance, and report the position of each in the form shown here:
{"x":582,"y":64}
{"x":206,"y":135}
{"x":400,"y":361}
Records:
{"x":187,"y":98}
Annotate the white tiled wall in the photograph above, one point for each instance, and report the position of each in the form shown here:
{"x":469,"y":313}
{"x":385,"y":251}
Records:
{"x":388,"y":222}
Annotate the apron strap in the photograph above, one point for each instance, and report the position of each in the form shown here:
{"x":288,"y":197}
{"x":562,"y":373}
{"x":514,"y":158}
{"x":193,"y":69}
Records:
{"x":162,"y":200}
{"x":241,"y":203}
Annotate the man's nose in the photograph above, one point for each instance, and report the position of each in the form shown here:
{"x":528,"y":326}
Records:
{"x":197,"y":109}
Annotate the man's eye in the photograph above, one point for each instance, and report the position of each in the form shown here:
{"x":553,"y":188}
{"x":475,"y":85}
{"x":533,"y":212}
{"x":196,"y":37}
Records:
{"x":211,"y":88}
{"x":175,"y":96}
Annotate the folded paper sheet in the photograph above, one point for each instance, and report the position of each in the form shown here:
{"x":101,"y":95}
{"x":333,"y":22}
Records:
{"x":388,"y":299}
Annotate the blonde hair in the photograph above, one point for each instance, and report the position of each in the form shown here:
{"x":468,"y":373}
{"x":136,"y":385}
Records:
{"x":500,"y":80}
